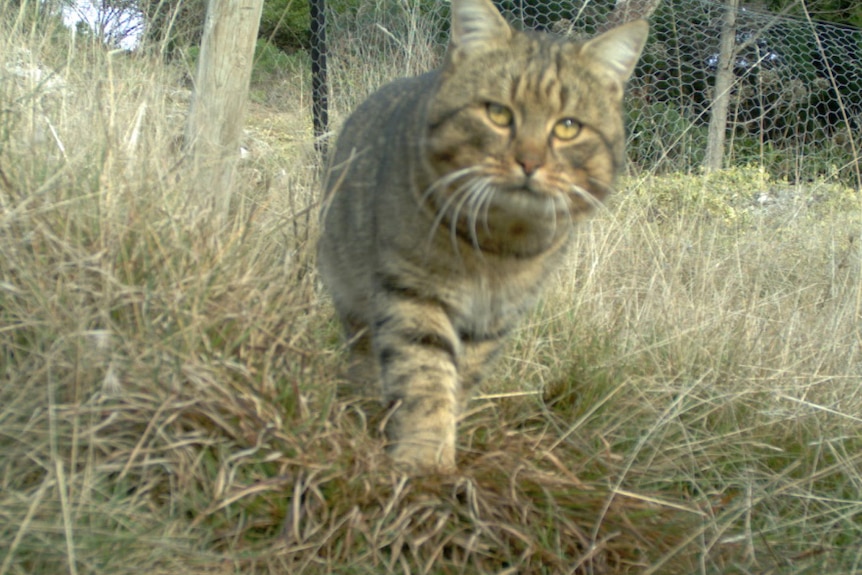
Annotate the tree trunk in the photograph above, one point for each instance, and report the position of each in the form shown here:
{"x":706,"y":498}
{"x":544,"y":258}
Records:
{"x":218,"y":107}
{"x":723,"y":84}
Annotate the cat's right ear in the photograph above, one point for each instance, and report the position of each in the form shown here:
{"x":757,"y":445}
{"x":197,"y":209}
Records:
{"x":476,"y":26}
{"x":619,"y":48}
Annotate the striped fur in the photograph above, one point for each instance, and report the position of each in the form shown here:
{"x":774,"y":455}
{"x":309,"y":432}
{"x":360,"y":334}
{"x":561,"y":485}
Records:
{"x":449,"y":199}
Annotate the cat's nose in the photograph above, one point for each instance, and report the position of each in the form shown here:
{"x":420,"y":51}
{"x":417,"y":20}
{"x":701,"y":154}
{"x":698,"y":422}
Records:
{"x":529,"y":162}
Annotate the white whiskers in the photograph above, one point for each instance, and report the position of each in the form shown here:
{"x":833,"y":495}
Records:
{"x":473,"y":191}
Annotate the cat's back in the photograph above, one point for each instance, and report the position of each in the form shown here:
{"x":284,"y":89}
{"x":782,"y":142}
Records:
{"x":373,"y":155}
{"x":368,"y":183}
{"x":387,"y":120}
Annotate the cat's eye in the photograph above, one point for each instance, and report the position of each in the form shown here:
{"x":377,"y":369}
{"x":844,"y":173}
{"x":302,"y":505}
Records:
{"x":567,"y":129}
{"x":499,"y":114}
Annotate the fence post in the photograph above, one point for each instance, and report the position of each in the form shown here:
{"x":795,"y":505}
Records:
{"x":220,"y":97}
{"x":724,"y":78}
{"x":319,"y":83}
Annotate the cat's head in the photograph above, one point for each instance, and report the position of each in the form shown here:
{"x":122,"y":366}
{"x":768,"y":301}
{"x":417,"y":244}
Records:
{"x":526,"y":126}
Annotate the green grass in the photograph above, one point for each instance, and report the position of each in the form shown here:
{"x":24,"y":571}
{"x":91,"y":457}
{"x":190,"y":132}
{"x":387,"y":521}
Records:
{"x":686,"y":398}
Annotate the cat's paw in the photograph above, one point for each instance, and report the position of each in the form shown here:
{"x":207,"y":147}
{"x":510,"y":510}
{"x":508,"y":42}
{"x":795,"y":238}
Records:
{"x":424,"y":455}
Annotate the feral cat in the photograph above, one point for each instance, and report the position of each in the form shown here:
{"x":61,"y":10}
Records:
{"x":452,"y":195}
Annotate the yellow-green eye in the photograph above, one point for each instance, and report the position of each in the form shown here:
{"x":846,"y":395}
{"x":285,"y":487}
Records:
{"x":567,"y":129}
{"x":499,"y":114}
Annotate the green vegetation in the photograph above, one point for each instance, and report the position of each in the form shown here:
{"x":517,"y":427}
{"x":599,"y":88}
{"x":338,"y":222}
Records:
{"x":838,"y":11}
{"x":685,"y":400}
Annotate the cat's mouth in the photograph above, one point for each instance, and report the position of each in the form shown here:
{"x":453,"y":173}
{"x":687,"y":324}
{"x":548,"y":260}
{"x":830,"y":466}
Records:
{"x":531,"y":191}
{"x":530,"y":201}
{"x":501,"y":216}
{"x":538,"y":203}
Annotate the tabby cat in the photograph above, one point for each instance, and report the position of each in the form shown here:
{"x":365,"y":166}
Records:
{"x":450,"y":198}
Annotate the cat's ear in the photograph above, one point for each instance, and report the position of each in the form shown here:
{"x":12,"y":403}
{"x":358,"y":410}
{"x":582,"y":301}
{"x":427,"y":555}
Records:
{"x":619,"y":49}
{"x":477,"y":25}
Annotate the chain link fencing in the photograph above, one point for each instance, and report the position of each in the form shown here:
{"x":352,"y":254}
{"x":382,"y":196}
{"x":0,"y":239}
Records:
{"x":795,"y":102}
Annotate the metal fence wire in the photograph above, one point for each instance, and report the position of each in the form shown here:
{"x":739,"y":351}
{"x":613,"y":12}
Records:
{"x":795,"y":102}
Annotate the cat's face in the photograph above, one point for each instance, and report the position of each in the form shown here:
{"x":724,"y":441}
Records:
{"x":525,"y":133}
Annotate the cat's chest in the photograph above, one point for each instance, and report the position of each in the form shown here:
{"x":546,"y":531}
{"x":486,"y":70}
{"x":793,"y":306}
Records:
{"x":488,"y":304}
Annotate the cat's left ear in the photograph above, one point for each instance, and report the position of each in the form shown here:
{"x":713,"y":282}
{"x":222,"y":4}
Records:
{"x":620,"y":48}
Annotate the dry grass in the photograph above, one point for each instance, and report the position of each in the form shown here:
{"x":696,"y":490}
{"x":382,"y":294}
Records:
{"x":167,"y":391}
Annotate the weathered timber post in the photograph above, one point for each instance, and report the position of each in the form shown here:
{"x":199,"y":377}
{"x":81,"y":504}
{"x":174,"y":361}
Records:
{"x":218,"y":106}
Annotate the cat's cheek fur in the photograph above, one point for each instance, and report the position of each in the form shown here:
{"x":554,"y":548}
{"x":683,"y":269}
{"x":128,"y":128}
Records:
{"x":460,"y":144}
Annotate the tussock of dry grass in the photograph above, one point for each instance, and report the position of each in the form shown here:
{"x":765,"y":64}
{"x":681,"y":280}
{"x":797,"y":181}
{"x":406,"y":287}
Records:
{"x":167,"y":391}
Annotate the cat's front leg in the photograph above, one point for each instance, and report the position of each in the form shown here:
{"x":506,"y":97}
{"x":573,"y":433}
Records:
{"x":417,"y":350}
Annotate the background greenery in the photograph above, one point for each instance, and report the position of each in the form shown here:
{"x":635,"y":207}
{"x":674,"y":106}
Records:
{"x":798,"y":89}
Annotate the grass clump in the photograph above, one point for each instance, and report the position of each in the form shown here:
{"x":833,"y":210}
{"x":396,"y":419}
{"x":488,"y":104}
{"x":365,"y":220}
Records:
{"x":685,"y":400}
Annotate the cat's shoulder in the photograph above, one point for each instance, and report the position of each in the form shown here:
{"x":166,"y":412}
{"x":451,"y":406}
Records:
{"x":407,"y":89}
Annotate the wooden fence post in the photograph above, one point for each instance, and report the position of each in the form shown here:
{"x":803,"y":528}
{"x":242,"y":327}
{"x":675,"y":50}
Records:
{"x":218,"y":107}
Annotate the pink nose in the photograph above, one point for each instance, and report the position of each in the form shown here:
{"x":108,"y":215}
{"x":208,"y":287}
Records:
{"x":529,"y":163}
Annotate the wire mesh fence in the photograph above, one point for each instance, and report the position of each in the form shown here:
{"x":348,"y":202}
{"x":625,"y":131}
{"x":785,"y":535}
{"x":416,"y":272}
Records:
{"x":794,"y":104}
